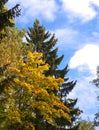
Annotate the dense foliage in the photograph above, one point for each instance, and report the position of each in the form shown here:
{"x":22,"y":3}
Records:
{"x":33,"y":90}
{"x":24,"y":88}
{"x":7,"y":16}
{"x":44,"y":42}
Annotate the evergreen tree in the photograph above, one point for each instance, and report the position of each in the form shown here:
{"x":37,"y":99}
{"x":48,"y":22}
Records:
{"x":44,"y":42}
{"x":65,"y":89}
{"x":7,"y":16}
{"x":96,"y":83}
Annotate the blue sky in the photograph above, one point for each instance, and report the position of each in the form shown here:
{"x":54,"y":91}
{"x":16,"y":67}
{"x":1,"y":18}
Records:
{"x":76,"y":25}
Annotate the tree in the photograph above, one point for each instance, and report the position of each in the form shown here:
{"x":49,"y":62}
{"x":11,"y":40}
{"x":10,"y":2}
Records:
{"x":9,"y":51}
{"x":96,"y":83}
{"x":65,"y":89}
{"x":44,"y":42}
{"x":26,"y":88}
{"x":27,"y":92}
{"x":7,"y":16}
{"x":86,"y":125}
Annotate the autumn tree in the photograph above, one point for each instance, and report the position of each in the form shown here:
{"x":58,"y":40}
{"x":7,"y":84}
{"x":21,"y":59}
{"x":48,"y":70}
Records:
{"x":25,"y":88}
{"x":44,"y":42}
{"x":12,"y":48}
{"x":29,"y":90}
{"x":9,"y":51}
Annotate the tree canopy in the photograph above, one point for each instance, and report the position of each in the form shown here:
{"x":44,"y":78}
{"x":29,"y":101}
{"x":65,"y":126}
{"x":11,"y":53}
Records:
{"x":45,"y":42}
{"x":24,"y":88}
{"x":7,"y":16}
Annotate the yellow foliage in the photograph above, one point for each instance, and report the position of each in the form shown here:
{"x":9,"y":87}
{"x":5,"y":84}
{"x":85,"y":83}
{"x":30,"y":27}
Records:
{"x":31,"y":90}
{"x":41,"y":86}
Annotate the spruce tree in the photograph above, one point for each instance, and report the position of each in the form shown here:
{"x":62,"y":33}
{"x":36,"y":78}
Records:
{"x":7,"y":16}
{"x":65,"y":89}
{"x":44,"y":42}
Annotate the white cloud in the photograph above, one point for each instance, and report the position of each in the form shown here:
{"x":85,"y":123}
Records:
{"x":82,"y":9}
{"x":36,"y":8}
{"x":47,"y":9}
{"x":86,"y":59}
{"x":86,"y":94}
{"x":66,"y":36}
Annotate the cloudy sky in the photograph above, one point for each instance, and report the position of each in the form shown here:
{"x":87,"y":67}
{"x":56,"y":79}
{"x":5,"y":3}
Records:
{"x":76,"y":25}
